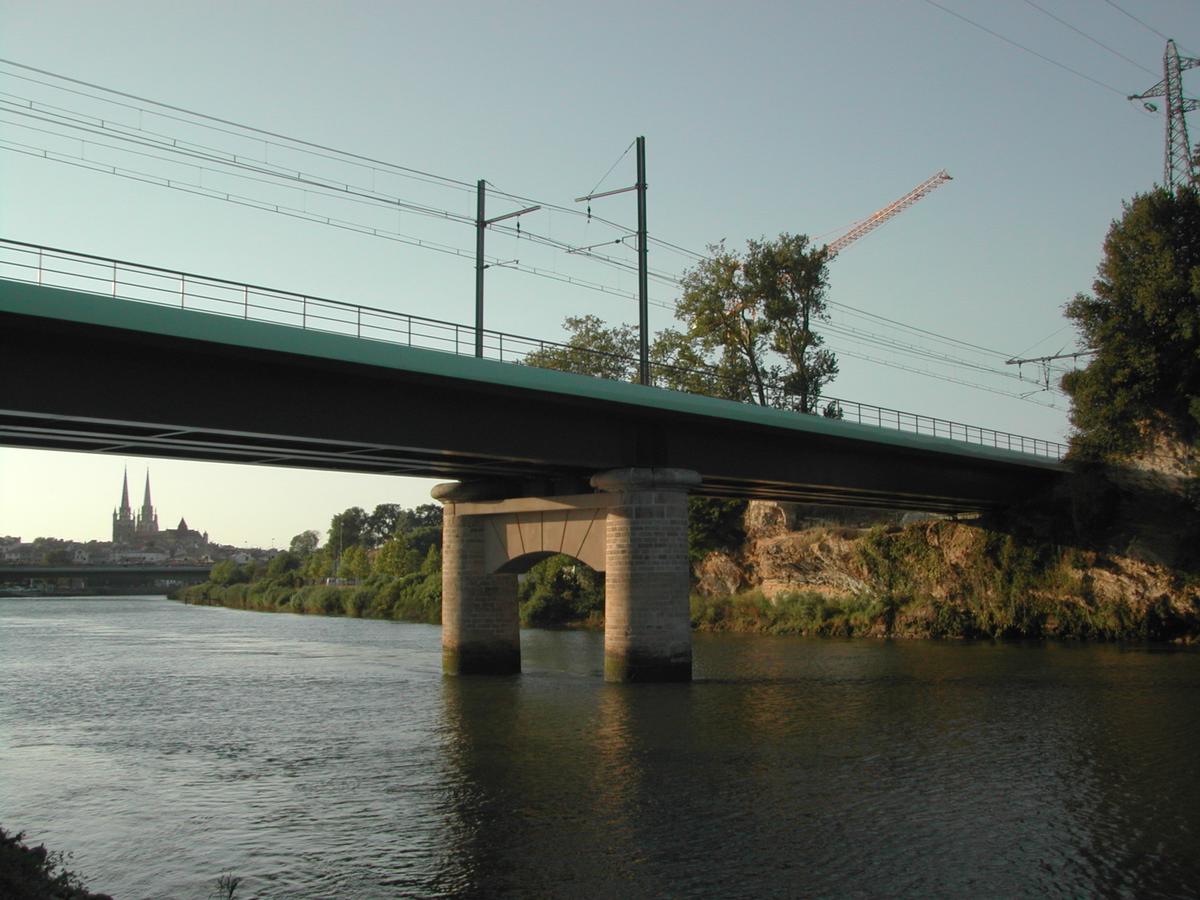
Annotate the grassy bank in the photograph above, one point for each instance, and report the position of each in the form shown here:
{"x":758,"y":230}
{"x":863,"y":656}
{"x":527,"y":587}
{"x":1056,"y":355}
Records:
{"x":950,"y":580}
{"x":409,"y":598}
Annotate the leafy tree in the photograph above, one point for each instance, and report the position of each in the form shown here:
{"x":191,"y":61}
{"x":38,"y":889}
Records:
{"x":559,"y":590}
{"x":283,"y":563}
{"x":354,"y":563}
{"x":397,"y":557}
{"x":1144,"y":324}
{"x":347,"y":529}
{"x":741,"y":310}
{"x":678,"y":363}
{"x":790,"y":279}
{"x":592,"y":349}
{"x":427,"y":515}
{"x":304,"y":543}
{"x":227,"y":572}
{"x":724,"y":315}
{"x":318,"y":566}
{"x":56,"y":558}
{"x":382,"y":522}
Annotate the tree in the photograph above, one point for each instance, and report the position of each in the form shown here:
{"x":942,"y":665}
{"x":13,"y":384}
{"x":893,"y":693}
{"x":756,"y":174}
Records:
{"x":347,"y":529}
{"x":304,"y":544}
{"x":744,"y":308}
{"x":383,"y":522}
{"x":397,"y":557}
{"x":354,"y":563}
{"x":318,"y":566}
{"x":592,"y":349}
{"x":227,"y":572}
{"x":791,"y":277}
{"x":724,"y":315}
{"x":1143,"y":322}
{"x":283,"y":563}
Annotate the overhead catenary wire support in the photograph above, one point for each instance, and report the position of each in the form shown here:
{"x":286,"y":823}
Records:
{"x":481,"y":224}
{"x":643,"y":270}
{"x":1044,"y":362}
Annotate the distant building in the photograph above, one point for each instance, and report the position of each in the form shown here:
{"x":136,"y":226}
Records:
{"x":127,"y":528}
{"x":140,"y":529}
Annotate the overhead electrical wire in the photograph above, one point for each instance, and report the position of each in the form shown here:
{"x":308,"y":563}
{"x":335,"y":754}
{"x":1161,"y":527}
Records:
{"x":1041,"y":56}
{"x":1101,"y":44}
{"x":219,"y":162}
{"x":310,"y":145}
{"x":1148,"y":27}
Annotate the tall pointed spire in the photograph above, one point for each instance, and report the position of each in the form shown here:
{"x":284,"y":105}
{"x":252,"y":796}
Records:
{"x":147,"y":519}
{"x":124,"y":523}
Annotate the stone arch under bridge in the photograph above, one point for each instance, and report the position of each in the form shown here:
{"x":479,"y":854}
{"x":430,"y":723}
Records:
{"x":634,"y":529}
{"x":514,"y":541}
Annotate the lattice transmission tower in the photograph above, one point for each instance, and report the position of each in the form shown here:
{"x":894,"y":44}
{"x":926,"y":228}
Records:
{"x":1178,"y":168}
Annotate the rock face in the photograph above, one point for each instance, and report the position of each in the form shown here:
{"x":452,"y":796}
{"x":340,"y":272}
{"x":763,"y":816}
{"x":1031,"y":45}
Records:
{"x":935,"y":571}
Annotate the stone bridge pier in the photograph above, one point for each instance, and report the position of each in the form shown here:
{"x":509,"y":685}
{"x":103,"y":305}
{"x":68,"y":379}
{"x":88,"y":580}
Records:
{"x":633,"y":528}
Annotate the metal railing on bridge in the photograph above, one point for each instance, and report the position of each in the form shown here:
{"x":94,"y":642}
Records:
{"x":52,"y":267}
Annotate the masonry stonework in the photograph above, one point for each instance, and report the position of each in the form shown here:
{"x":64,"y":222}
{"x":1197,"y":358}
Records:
{"x":480,"y":627}
{"x":642,"y":516}
{"x":647,"y":629}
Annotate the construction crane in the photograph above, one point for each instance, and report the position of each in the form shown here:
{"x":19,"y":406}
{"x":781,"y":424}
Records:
{"x":869,"y":224}
{"x":1178,"y":170}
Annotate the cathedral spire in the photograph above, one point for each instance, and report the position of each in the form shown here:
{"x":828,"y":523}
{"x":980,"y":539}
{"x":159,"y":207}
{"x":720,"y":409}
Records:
{"x":125,"y":492}
{"x":147,"y":522}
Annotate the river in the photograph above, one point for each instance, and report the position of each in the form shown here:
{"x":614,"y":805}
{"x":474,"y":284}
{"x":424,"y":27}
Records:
{"x":316,"y":757}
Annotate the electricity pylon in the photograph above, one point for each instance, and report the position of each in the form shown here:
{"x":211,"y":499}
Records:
{"x":1178,"y":169}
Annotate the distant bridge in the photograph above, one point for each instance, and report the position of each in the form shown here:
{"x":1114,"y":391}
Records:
{"x":9,"y":573}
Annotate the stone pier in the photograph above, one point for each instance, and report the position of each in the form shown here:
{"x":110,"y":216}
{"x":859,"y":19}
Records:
{"x":480,"y":627}
{"x":634,"y":529}
{"x":647,"y":628}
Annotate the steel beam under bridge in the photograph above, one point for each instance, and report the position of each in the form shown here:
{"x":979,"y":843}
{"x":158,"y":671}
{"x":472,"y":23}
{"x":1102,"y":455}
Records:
{"x":91,"y":373}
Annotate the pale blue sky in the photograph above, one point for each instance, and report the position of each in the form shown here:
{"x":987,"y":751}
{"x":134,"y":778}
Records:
{"x":759,"y":118}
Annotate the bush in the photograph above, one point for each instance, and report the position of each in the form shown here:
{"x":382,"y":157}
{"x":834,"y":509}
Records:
{"x":34,"y":873}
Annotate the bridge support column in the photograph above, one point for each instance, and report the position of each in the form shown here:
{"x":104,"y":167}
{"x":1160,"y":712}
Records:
{"x":480,"y":626}
{"x":647,"y":628}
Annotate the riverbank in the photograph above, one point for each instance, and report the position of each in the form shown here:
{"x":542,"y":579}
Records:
{"x":35,"y":873}
{"x":935,"y":579}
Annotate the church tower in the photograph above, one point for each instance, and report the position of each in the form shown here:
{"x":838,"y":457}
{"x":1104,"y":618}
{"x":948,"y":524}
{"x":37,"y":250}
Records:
{"x":147,"y":523}
{"x":123,"y":524}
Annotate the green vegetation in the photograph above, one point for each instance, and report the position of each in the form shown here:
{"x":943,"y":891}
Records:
{"x":35,"y":873}
{"x":562,"y":591}
{"x":363,"y":571}
{"x":748,"y":331}
{"x":949,"y":580}
{"x":1144,"y":324}
{"x":740,"y":308}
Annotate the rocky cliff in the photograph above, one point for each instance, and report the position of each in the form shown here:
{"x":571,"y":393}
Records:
{"x":936,"y":576}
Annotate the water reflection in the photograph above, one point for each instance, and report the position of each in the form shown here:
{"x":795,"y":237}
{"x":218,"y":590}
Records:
{"x":322,"y":758}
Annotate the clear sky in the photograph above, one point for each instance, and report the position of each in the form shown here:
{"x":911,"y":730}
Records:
{"x":759,"y":118}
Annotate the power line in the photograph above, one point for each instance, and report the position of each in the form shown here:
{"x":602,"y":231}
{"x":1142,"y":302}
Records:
{"x":1067,"y":24}
{"x":1041,"y":56}
{"x":1150,"y":28}
{"x":210,"y":118}
{"x":203,"y":158}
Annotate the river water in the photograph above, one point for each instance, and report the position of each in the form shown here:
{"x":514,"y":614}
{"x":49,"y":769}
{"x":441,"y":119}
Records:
{"x":166,"y":745}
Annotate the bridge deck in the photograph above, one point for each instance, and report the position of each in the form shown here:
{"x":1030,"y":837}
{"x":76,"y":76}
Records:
{"x":94,"y":373}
